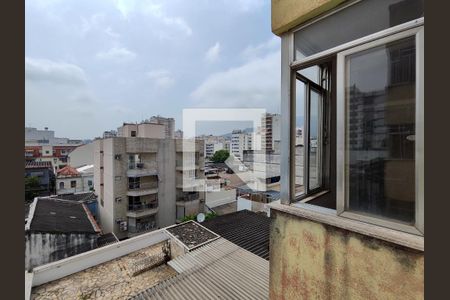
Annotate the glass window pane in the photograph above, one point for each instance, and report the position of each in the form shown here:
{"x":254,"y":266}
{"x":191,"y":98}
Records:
{"x":380,"y":92}
{"x":315,"y":147}
{"x":356,"y":21}
{"x":299,"y":126}
{"x":312,"y":73}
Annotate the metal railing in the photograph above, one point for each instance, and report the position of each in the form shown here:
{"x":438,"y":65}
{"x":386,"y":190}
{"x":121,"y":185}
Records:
{"x":140,"y":186}
{"x":142,"y":206}
{"x":142,"y":227}
{"x":141,"y":165}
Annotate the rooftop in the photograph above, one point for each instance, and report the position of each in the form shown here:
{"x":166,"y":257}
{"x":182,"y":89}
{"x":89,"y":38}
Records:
{"x":60,"y":216}
{"x":38,"y":165}
{"x":154,"y":266}
{"x":218,"y":270}
{"x":68,"y":171}
{"x":244,"y":228}
{"x":80,"y":197}
{"x":110,"y":280}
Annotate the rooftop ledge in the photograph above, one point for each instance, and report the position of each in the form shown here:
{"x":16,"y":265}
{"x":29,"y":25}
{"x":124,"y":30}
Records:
{"x":329,"y":217}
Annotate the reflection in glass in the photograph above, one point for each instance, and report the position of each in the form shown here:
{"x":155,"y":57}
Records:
{"x":380,"y":91}
{"x":314,"y":140}
{"x":358,"y":20}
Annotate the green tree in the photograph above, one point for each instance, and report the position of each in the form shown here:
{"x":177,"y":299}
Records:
{"x":32,"y":188}
{"x":220,"y":156}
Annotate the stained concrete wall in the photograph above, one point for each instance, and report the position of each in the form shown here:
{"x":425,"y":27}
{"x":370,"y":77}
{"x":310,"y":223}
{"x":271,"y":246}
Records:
{"x":43,"y":248}
{"x":310,"y":260}
{"x":287,"y":14}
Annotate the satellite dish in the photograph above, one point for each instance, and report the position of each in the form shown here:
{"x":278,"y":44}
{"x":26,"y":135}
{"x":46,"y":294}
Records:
{"x":200,"y":217}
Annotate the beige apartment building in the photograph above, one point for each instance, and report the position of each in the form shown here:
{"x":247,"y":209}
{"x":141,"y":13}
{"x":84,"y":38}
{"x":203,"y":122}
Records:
{"x":139,"y":181}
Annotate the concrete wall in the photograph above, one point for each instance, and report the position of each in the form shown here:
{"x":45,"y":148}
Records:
{"x":43,"y":248}
{"x":82,"y":155}
{"x":287,"y":14}
{"x":310,"y":260}
{"x":80,"y":187}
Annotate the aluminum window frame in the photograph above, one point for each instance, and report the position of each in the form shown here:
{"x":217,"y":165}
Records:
{"x":310,"y":86}
{"x":342,"y":155}
{"x":289,"y":67}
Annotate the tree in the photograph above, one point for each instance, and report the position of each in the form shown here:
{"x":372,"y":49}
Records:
{"x":32,"y":188}
{"x":220,"y":156}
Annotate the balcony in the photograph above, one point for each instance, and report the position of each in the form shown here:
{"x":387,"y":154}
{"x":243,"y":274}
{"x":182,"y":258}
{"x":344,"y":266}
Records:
{"x":185,"y":167}
{"x":138,"y":210}
{"x":141,"y":189}
{"x":139,"y":169}
{"x":141,"y":228}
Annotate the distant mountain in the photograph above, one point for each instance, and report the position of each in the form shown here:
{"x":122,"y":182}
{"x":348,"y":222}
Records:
{"x":246,"y":130}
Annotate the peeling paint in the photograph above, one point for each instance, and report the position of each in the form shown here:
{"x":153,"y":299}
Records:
{"x":309,"y":260}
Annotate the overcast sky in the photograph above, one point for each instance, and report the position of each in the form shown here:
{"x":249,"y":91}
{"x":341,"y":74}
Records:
{"x":91,"y":65}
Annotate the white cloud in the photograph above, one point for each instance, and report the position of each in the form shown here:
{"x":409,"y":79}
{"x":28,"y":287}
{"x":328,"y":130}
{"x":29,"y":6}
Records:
{"x":117,"y":54}
{"x":255,"y":84}
{"x":52,"y":71}
{"x":154,"y":10}
{"x":213,"y":53}
{"x":252,"y":52}
{"x":161,"y":78}
{"x":109,"y":31}
{"x":249,"y":5}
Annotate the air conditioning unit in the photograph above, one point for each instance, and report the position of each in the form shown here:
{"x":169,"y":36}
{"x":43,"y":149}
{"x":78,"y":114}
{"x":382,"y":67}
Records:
{"x":140,"y":165}
{"x":123,"y":226}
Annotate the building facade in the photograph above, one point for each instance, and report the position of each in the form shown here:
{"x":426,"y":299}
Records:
{"x":139,"y":183}
{"x":168,"y":123}
{"x":270,"y":131}
{"x":352,"y":80}
{"x":240,"y":141}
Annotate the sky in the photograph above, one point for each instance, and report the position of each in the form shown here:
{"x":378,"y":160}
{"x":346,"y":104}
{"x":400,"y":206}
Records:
{"x":91,"y":65}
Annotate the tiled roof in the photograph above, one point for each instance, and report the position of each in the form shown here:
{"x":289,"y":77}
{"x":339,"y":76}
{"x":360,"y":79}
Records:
{"x":245,"y":228}
{"x":68,"y":171}
{"x":218,"y":270}
{"x":61,"y":216}
{"x":38,"y":164}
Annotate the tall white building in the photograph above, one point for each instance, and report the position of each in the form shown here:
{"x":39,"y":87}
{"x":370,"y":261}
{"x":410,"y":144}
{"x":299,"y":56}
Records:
{"x":240,"y":141}
{"x":270,"y":131}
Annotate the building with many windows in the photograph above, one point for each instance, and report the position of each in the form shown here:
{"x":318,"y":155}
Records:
{"x":240,"y":141}
{"x":145,"y":183}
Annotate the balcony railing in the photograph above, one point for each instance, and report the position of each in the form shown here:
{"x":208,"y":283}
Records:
{"x":142,"y":206}
{"x":142,"y":227}
{"x":189,"y":197}
{"x":142,"y":186}
{"x":140,"y":165}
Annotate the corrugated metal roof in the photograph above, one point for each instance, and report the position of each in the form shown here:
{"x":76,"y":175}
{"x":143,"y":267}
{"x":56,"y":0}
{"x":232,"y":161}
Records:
{"x":218,"y":270}
{"x":245,"y":228}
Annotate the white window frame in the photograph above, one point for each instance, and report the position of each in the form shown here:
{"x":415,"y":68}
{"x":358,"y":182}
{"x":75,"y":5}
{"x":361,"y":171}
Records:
{"x":342,"y":155}
{"x":289,"y":66}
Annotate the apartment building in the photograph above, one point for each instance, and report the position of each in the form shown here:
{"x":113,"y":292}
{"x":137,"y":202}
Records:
{"x":142,"y":183}
{"x":168,"y":123}
{"x":270,"y":130}
{"x":143,"y":129}
{"x":352,"y":75}
{"x":240,"y":141}
{"x":213,"y":144}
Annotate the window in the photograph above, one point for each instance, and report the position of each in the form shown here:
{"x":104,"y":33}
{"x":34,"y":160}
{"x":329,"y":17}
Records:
{"x":354,"y":94}
{"x":310,"y":147}
{"x":133,"y":133}
{"x":73,"y":183}
{"x":90,"y":183}
{"x":379,"y":137}
{"x":61,"y":185}
{"x":367,"y":17}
